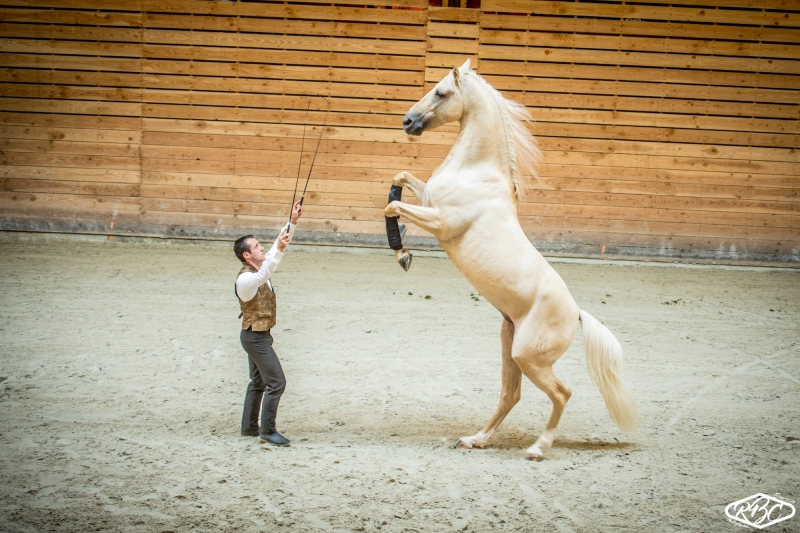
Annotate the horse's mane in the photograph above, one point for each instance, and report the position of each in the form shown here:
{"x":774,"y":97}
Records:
{"x":523,"y":152}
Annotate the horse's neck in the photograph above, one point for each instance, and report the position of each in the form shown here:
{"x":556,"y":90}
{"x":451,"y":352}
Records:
{"x":482,"y":136}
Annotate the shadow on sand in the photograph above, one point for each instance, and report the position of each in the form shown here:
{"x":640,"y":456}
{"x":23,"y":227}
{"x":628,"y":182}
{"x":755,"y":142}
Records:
{"x":510,"y":443}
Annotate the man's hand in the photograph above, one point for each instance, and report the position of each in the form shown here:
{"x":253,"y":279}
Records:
{"x":297,"y":212}
{"x":283,"y":240}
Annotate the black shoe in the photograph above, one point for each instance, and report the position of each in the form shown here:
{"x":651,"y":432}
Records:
{"x":276,"y":439}
{"x":250,"y":432}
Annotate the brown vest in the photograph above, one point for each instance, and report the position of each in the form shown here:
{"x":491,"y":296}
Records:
{"x":260,"y":312}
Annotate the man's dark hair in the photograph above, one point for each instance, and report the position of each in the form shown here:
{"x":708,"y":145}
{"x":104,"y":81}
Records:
{"x":241,"y":246}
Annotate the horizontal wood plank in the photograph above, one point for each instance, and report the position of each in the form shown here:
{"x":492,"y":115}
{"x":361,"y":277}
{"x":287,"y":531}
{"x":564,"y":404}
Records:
{"x":640,"y":59}
{"x":59,"y":16}
{"x":646,"y":12}
{"x":635,"y":27}
{"x":551,"y":40}
{"x":648,"y":74}
{"x":292,"y":42}
{"x":101,"y":175}
{"x":646,"y":177}
{"x":463,"y":31}
{"x":304,"y":12}
{"x":653,"y":89}
{"x":453,"y":14}
{"x":74,"y":121}
{"x":294,"y":57}
{"x":36,"y":25}
{"x":51,"y":205}
{"x":64,"y":66}
{"x":665,"y":120}
{"x":69,"y":134}
{"x":50,"y":186}
{"x":284,"y":26}
{"x":55,"y":160}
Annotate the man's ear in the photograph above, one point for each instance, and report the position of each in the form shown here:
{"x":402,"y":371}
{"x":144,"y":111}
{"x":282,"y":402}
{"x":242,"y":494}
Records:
{"x":455,"y":75}
{"x":248,"y":254}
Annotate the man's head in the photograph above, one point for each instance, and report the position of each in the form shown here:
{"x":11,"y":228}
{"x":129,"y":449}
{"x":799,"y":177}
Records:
{"x":248,"y":250}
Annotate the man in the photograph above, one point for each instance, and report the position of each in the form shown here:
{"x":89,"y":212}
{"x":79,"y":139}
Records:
{"x":257,"y":300}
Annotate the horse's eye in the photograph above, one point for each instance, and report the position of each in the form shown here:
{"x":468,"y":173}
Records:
{"x":439,"y":94}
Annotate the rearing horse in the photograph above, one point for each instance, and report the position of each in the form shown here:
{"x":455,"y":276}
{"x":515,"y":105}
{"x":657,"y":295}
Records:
{"x":470,"y":206}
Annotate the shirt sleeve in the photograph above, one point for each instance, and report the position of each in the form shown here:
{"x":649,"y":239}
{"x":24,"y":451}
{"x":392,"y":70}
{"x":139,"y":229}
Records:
{"x":248,"y":283}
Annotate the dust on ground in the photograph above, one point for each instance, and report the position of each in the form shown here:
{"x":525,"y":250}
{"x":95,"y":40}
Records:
{"x":123,"y":381}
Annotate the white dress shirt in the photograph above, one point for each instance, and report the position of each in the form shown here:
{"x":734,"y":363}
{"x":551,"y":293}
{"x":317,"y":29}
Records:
{"x":248,"y":283}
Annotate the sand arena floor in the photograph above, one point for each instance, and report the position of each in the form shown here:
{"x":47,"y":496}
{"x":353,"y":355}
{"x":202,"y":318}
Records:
{"x":122,"y":380}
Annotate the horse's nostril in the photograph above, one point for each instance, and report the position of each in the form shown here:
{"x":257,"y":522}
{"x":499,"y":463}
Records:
{"x":407,"y":121}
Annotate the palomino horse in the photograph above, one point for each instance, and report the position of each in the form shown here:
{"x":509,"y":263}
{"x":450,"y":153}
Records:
{"x":470,"y":206}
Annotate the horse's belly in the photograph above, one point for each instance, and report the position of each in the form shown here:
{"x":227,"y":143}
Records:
{"x":510,"y":288}
{"x":516,"y":283}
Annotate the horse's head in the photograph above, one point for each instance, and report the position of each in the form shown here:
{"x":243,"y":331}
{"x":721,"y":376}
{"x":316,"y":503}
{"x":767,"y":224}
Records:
{"x":442,"y":105}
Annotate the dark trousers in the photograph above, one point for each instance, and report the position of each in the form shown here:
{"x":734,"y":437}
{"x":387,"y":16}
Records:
{"x":267,"y":382}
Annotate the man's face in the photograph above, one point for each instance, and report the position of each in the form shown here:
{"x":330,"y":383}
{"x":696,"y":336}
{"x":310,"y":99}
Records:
{"x":256,"y":253}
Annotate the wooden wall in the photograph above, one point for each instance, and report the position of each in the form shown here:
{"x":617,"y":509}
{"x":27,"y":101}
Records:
{"x":668,"y":130}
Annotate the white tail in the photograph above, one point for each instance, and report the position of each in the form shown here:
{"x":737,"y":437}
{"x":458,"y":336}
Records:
{"x":604,"y":359}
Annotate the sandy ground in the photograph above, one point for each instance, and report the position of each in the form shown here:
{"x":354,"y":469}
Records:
{"x":123,"y":378}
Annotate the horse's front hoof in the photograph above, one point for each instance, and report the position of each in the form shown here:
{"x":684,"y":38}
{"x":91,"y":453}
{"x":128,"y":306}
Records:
{"x":534,"y":457}
{"x":462,"y":445}
{"x":404,"y":258}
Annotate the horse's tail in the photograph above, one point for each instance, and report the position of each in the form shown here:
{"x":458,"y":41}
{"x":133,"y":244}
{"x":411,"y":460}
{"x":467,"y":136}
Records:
{"x":604,"y":359}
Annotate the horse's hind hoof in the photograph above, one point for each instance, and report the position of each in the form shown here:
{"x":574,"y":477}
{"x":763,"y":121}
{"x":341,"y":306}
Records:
{"x":461,"y":445}
{"x":405,"y":260}
{"x":402,"y":230}
{"x":534,"y":457}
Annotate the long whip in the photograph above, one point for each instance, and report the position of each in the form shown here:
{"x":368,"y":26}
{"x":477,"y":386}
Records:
{"x":308,"y":177}
{"x":299,"y":163}
{"x":319,"y":140}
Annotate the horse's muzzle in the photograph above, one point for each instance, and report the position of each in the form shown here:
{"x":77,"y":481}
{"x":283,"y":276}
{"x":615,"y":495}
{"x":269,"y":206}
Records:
{"x":412,"y":124}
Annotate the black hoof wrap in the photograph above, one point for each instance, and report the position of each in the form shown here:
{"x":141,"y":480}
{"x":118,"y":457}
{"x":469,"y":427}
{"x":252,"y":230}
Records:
{"x":396,"y":231}
{"x":393,"y":233}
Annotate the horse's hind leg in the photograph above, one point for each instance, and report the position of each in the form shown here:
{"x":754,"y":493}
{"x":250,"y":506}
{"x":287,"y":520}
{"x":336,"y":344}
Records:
{"x":509,"y":394}
{"x":536,"y":360}
{"x":546,"y":380}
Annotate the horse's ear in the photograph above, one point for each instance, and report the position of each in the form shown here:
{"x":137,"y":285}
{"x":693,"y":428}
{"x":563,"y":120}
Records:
{"x":465,"y":67}
{"x":455,"y":75}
